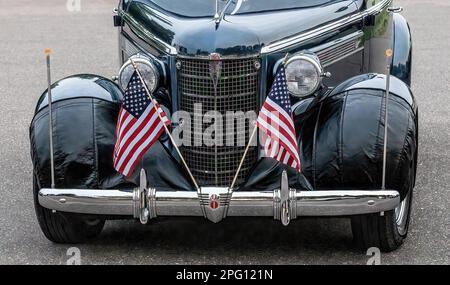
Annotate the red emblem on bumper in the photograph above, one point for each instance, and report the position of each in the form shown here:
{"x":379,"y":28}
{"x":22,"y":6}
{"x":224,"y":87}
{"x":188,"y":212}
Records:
{"x":214,"y":202}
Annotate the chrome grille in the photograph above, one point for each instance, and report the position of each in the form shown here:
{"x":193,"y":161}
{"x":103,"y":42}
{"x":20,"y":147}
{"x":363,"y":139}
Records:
{"x":237,"y":90}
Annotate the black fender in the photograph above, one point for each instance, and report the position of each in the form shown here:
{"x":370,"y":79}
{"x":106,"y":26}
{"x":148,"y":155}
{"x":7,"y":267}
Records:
{"x":85,"y":111}
{"x":81,"y":86}
{"x":84,"y":124}
{"x":341,"y":136}
{"x":402,"y":59}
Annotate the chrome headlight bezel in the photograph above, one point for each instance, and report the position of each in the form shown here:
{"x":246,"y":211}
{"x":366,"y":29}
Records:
{"x":314,"y":61}
{"x":147,"y":69}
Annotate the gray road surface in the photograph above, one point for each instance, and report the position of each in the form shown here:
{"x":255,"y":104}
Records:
{"x":85,"y":41}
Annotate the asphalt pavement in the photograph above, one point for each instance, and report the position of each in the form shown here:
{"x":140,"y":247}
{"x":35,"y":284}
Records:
{"x":86,"y":42}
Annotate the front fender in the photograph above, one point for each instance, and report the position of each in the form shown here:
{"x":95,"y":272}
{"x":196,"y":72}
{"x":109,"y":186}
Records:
{"x":81,"y":86}
{"x":85,"y":111}
{"x":84,"y":123}
{"x":402,"y":59}
{"x":341,"y":136}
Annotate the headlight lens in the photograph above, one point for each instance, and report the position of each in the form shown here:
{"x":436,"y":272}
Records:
{"x":146,"y":68}
{"x":303,"y":75}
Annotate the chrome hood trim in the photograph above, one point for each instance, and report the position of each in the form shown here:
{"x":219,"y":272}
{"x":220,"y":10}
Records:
{"x":303,"y":37}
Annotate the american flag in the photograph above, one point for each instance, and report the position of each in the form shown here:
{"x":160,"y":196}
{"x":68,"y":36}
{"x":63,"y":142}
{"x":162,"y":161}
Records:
{"x":139,"y":126}
{"x":276,"y":122}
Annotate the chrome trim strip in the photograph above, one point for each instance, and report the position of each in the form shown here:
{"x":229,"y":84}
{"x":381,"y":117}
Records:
{"x":209,"y":97}
{"x":219,"y":172}
{"x":295,"y":40}
{"x":338,"y":42}
{"x":344,"y":56}
{"x":336,"y":45}
{"x":251,"y":204}
{"x":222,"y":77}
{"x":222,"y":57}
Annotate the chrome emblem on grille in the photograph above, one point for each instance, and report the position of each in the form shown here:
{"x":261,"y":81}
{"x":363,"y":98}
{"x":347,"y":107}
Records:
{"x":215,"y":67}
{"x":214,"y":57}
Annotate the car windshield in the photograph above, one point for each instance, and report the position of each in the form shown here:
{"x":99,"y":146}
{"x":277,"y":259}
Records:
{"x":207,"y":8}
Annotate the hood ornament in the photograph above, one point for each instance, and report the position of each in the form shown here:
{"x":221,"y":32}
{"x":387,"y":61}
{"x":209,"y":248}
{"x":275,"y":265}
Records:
{"x":220,"y":14}
{"x":216,"y":15}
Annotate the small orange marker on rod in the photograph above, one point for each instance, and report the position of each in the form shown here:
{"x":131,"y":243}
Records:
{"x":47,"y":53}
{"x":389,"y":53}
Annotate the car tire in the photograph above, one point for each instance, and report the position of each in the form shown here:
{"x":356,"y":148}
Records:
{"x":386,"y":231}
{"x":65,"y":228}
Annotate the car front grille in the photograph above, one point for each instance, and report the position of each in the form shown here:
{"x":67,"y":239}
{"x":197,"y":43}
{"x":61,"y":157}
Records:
{"x":235,"y":90}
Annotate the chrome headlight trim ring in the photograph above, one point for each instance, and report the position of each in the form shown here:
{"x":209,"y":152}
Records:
{"x":315,"y":62}
{"x":140,"y":60}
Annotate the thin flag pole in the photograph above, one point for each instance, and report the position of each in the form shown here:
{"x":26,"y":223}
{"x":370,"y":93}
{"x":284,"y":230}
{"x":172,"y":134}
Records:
{"x":165,"y":127}
{"x":48,"y":52}
{"x":389,"y":53}
{"x":249,"y":144}
{"x":243,"y":157}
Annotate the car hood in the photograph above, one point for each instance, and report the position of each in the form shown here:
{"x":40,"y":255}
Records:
{"x":236,"y":34}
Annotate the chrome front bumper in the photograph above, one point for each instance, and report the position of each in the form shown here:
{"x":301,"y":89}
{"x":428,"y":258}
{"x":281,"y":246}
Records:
{"x":216,"y":204}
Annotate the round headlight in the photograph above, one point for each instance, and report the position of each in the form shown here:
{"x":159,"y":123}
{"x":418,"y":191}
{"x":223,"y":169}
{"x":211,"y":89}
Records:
{"x":303,"y":75}
{"x":146,"y":68}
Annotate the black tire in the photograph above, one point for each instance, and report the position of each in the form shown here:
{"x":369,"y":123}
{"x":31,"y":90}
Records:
{"x":386,"y":232}
{"x":65,"y":228}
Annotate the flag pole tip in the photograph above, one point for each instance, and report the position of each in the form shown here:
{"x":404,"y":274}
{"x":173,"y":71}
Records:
{"x":286,"y":57}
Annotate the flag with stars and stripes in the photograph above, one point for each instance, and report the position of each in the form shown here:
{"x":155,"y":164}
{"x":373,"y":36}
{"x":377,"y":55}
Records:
{"x":139,"y":126}
{"x":277,"y":123}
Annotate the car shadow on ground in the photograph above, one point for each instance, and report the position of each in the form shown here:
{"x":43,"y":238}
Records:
{"x":234,"y":235}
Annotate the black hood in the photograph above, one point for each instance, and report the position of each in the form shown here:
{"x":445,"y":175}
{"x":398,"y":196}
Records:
{"x":236,"y":34}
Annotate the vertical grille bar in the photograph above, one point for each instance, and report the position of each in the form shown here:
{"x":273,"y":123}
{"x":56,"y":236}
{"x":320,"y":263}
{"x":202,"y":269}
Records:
{"x":237,"y":91}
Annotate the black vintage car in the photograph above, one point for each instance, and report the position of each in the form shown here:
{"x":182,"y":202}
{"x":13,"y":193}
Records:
{"x":346,"y":63}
